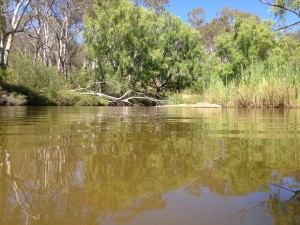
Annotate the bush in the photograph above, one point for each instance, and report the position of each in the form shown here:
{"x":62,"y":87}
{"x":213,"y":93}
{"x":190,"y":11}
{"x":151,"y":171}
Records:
{"x":43,"y":85}
{"x":11,"y":99}
{"x":36,"y":76}
{"x":68,"y":98}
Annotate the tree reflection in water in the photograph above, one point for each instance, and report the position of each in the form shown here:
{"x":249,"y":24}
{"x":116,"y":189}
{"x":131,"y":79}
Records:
{"x":52,"y":192}
{"x":116,"y":164}
{"x":283,"y":204}
{"x":13,"y":187}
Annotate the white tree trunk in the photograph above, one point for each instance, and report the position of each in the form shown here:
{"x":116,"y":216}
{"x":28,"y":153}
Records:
{"x":8,"y":32}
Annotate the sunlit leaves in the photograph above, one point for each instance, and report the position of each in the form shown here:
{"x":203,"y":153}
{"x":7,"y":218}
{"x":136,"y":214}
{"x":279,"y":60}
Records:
{"x":250,"y":41}
{"x":142,"y":48}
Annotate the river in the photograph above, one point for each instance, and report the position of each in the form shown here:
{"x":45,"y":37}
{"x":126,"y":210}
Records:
{"x":149,"y":165}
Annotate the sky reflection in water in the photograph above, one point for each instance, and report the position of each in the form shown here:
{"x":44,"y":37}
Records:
{"x":91,"y":165}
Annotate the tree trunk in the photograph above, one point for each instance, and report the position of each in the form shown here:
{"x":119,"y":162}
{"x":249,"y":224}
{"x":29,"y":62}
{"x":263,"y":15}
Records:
{"x":5,"y":47}
{"x":8,"y":30}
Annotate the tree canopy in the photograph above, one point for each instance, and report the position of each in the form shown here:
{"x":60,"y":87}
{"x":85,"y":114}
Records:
{"x":140,"y":47}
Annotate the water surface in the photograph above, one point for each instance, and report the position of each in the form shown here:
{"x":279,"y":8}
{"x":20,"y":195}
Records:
{"x":135,"y":165}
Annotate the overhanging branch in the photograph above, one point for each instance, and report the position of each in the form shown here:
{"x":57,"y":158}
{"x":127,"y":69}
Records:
{"x":280,"y":6}
{"x":287,"y":26}
{"x":285,"y":9}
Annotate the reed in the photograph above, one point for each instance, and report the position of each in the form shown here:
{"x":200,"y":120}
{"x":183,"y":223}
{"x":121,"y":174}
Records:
{"x":185,"y":97}
{"x":262,"y":85}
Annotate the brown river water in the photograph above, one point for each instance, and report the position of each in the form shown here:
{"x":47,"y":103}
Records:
{"x":149,"y":166}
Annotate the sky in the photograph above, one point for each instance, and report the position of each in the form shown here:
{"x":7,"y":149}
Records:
{"x":180,"y":8}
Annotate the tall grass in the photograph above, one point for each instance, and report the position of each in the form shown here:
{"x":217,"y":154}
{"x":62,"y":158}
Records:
{"x":262,"y":85}
{"x":185,"y":97}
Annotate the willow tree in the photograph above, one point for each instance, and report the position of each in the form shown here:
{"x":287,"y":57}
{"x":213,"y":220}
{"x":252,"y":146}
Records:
{"x":141,"y":48}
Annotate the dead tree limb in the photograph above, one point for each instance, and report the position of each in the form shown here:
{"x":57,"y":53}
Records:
{"x":124,"y":100}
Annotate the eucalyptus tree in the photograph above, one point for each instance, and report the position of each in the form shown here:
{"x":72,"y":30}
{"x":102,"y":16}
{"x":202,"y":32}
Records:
{"x":41,"y":37}
{"x":53,"y":32}
{"x":13,"y":21}
{"x":67,"y":25}
{"x":227,"y":16}
{"x":197,"y":18}
{"x":221,"y":24}
{"x":282,"y":7}
{"x":157,"y":5}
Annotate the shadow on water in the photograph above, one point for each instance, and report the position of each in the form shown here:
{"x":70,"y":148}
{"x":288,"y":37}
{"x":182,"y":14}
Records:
{"x":148,"y":166}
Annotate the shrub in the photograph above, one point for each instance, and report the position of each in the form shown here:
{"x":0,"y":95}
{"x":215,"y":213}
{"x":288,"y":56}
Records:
{"x":11,"y":99}
{"x":68,"y":98}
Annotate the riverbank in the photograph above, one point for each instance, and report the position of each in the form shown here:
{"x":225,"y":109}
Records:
{"x":253,"y":92}
{"x":197,"y":105}
{"x":17,"y":95}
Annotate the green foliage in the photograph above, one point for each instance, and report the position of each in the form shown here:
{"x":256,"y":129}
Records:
{"x":81,"y":78}
{"x":262,"y":85}
{"x":69,"y":98}
{"x":256,"y":68}
{"x":280,"y":7}
{"x":185,"y":97}
{"x":140,"y":48}
{"x":222,"y":24}
{"x":220,"y":93}
{"x":42,"y":85}
{"x":228,"y":16}
{"x":11,"y":99}
{"x":250,"y":41}
{"x":286,"y":50}
{"x":149,"y":50}
{"x":36,"y":76}
{"x":32,"y":97}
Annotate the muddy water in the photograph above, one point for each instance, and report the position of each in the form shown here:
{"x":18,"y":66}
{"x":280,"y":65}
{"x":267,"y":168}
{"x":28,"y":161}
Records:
{"x":170,"y":166}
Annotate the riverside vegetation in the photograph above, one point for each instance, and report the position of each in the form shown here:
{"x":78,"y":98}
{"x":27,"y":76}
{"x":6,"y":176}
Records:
{"x":236,"y":60}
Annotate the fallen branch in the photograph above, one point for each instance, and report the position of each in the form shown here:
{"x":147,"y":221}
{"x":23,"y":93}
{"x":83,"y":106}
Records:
{"x":124,"y":100}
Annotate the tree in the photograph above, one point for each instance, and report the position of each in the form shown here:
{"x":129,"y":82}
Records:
{"x":227,"y":16}
{"x":249,"y":41}
{"x":176,"y":56}
{"x":12,"y":22}
{"x":141,"y":48}
{"x":157,"y":5}
{"x":53,"y":32}
{"x":210,"y":30}
{"x":196,"y":17}
{"x":67,"y":24}
{"x":285,"y":50}
{"x":281,"y":7}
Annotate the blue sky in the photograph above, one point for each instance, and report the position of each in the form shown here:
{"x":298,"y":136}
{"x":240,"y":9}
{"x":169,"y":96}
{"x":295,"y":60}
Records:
{"x":182,"y":7}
